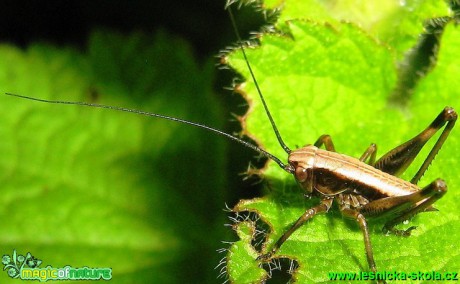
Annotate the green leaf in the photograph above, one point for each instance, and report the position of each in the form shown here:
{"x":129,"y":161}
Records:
{"x":396,"y":23}
{"x":100,"y":188}
{"x":242,"y":255}
{"x":335,"y":78}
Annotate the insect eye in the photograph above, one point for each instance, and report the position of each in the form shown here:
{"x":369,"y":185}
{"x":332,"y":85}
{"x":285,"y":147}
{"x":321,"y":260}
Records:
{"x":301,"y":174}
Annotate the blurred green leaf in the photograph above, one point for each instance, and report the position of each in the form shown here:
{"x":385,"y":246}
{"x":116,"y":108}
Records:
{"x":99,"y":188}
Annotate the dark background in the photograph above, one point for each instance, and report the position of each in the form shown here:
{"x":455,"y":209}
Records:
{"x":204,"y":23}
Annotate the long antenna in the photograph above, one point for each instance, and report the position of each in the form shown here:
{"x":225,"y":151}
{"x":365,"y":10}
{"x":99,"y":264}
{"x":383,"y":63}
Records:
{"x":272,"y":122}
{"x":122,"y":109}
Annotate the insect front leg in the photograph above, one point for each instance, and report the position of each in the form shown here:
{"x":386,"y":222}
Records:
{"x":405,"y":206}
{"x":326,"y":141}
{"x":323,"y":207}
{"x":396,"y":161}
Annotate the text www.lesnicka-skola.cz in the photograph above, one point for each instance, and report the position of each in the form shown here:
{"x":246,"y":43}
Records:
{"x":393,"y":275}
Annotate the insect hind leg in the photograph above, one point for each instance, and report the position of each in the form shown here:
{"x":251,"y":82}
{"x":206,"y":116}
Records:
{"x":370,"y":153}
{"x":447,"y":115}
{"x":431,"y":193}
{"x":405,"y":206}
{"x":396,"y":161}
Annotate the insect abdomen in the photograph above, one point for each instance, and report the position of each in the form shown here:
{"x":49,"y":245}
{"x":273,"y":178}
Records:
{"x":334,"y":173}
